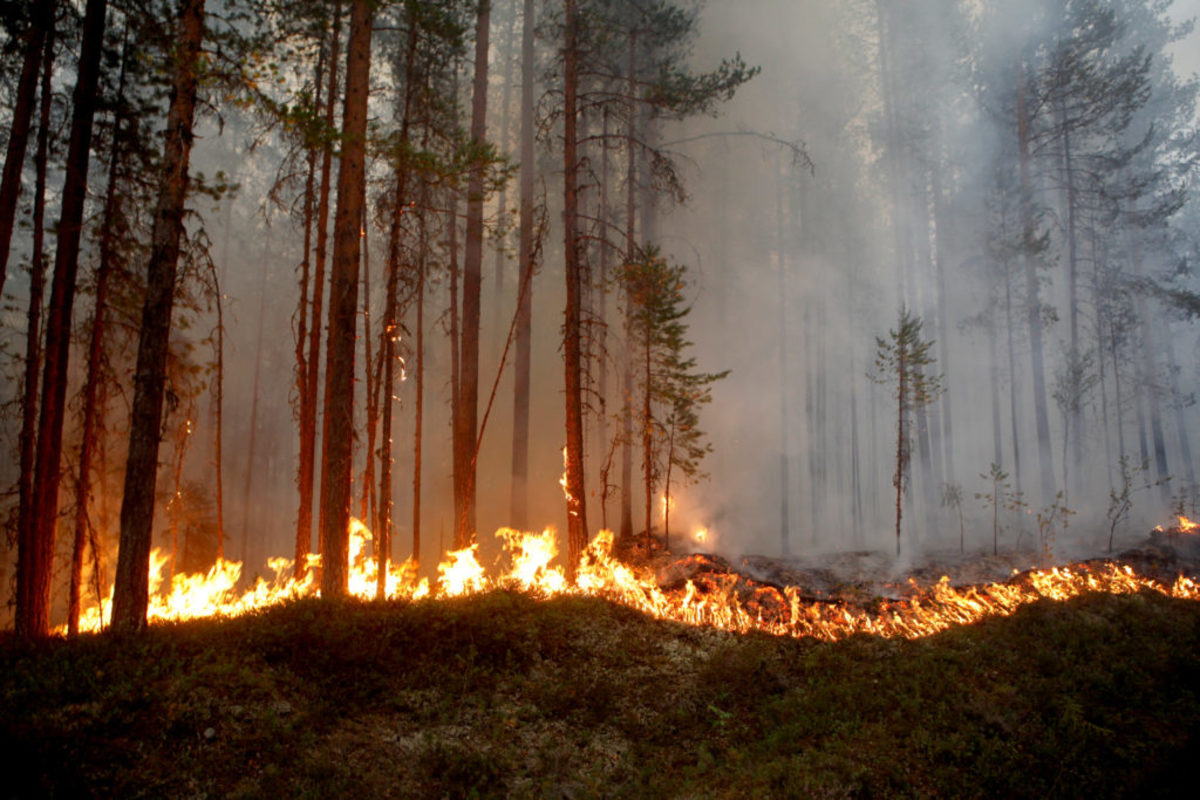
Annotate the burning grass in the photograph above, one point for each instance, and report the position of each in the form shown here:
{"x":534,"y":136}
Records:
{"x":504,"y":695}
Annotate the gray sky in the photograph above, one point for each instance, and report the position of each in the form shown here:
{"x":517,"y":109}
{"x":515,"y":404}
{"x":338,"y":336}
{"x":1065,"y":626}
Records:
{"x":1187,"y":52}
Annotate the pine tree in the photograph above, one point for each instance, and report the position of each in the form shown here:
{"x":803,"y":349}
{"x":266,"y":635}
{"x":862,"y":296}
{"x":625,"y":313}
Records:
{"x":901,"y":361}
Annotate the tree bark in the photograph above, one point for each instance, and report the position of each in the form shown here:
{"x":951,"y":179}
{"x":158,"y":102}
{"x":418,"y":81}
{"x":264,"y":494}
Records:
{"x":472,"y":281}
{"x":339,"y":379}
{"x":306,"y":357}
{"x":576,"y":499}
{"x":630,"y":255}
{"x":131,"y":591}
{"x":35,"y":556}
{"x":41,"y":28}
{"x":519,"y":500}
{"x":1033,"y":297}
{"x":93,"y":413}
{"x":37,"y":286}
{"x":308,"y":434}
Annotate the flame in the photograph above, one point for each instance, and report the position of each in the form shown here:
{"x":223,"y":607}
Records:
{"x":716,"y":600}
{"x":1187,"y":526}
{"x":700,"y":536}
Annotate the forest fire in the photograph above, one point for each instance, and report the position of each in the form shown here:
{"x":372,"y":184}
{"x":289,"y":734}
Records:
{"x":714,"y":600}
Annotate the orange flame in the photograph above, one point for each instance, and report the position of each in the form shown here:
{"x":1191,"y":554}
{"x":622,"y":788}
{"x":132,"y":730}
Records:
{"x":715,"y":603}
{"x":1187,"y":526}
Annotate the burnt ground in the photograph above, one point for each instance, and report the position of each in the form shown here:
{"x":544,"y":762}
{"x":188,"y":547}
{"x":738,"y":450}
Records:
{"x":864,"y":578}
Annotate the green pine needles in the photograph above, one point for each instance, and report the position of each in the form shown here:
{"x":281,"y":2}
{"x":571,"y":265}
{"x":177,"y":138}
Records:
{"x":901,"y":361}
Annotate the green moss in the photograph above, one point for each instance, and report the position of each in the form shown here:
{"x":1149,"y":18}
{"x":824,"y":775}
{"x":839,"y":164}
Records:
{"x":504,"y":695}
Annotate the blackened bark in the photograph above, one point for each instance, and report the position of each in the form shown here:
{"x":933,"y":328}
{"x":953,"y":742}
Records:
{"x":35,"y":555}
{"x":305,"y":364}
{"x":308,"y":436}
{"x":92,"y":412}
{"x":131,"y":591}
{"x":37,"y":286}
{"x":468,"y":399}
{"x":41,"y":28}
{"x":572,"y":352}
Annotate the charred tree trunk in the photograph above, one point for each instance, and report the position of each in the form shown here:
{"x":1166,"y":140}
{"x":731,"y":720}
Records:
{"x":36,"y":553}
{"x":131,"y":591}
{"x":371,"y":380}
{"x":506,"y":81}
{"x":419,"y":355}
{"x":252,"y":439}
{"x":647,"y":443}
{"x":576,"y":499}
{"x":339,"y":379}
{"x":472,"y":282}
{"x":521,"y":369}
{"x":630,"y":256}
{"x":1033,"y":297}
{"x":308,"y":426}
{"x":784,"y":416}
{"x":219,"y":415}
{"x":305,"y":363}
{"x":41,"y":28}
{"x":901,"y":441}
{"x":1014,"y":408}
{"x":93,"y":414}
{"x":37,"y":286}
{"x":391,"y":330}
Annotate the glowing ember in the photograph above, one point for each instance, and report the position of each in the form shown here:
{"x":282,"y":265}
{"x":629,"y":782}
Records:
{"x":711,"y":602}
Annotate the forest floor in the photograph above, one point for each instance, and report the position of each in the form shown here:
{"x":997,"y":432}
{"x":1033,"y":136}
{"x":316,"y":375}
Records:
{"x":505,"y":695}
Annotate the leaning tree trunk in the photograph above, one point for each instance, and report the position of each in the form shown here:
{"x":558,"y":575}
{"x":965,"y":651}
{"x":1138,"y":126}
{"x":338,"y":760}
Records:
{"x":131,"y":591}
{"x":339,"y":378}
{"x":36,"y":552}
{"x":41,"y":28}
{"x":572,"y":351}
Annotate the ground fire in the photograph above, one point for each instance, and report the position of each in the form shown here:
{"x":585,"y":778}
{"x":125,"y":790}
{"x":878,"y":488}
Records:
{"x":696,"y":589}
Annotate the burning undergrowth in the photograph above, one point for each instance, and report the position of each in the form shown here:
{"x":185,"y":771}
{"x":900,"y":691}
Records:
{"x":831,"y":599}
{"x":504,"y":694}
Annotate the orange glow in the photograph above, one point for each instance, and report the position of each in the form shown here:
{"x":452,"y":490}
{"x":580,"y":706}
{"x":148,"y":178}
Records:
{"x":927,"y":610}
{"x":1187,"y":526}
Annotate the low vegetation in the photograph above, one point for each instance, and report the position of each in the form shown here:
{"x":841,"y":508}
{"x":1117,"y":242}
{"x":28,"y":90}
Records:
{"x":501,"y":695}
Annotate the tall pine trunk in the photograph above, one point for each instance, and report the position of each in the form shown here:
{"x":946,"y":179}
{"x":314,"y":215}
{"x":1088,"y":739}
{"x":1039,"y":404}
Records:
{"x":131,"y":591}
{"x":35,"y":554}
{"x":339,"y":378}
{"x":93,"y":413}
{"x":630,"y":255}
{"x":308,"y":425}
{"x":1033,"y":296}
{"x":472,"y":280}
{"x":391,"y":328}
{"x":519,"y":500}
{"x":572,"y":351}
{"x":305,"y":364}
{"x":37,"y":286}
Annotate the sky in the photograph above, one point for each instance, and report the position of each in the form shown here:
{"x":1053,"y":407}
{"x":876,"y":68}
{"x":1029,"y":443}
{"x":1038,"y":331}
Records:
{"x":1187,"y":52}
